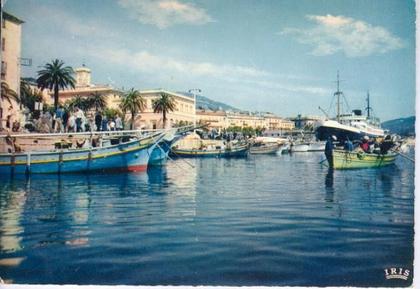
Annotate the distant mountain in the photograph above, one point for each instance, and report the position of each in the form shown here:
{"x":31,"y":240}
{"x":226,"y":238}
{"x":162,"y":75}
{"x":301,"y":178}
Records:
{"x":401,"y":126}
{"x":209,"y":104}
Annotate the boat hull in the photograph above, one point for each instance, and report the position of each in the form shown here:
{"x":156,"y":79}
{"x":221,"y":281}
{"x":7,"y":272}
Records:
{"x":241,"y":151}
{"x":356,"y":160}
{"x":129,"y":156}
{"x":265,"y":149}
{"x":160,"y":153}
{"x":316,"y":147}
{"x":299,"y":148}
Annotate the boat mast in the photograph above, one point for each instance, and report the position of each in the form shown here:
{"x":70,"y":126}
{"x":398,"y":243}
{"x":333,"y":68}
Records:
{"x":368,"y":108}
{"x":338,"y":93}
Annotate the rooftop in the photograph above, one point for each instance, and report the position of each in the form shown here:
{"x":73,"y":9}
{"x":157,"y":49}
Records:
{"x":10,"y":17}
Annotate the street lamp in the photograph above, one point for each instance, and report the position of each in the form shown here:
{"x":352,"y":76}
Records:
{"x":194,"y":91}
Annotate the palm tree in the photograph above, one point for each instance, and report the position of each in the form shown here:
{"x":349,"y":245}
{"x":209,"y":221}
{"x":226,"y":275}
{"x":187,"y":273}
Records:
{"x":164,"y":104}
{"x":8,"y":94}
{"x":55,"y":77}
{"x":25,"y":93}
{"x":97,"y":101}
{"x":132,"y":102}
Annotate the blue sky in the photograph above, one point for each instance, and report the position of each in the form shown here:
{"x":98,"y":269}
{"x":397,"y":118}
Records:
{"x":278,"y":56}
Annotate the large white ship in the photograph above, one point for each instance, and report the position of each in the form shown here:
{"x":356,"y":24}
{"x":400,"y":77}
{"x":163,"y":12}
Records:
{"x":352,"y":125}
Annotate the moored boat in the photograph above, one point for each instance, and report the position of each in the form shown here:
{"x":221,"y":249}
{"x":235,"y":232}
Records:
{"x":217,"y":152}
{"x":299,"y":147}
{"x":356,"y":160}
{"x":264,"y":148}
{"x":129,"y":155}
{"x":316,"y":146}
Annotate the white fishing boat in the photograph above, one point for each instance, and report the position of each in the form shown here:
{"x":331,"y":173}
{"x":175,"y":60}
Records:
{"x":299,"y":147}
{"x":316,"y":146}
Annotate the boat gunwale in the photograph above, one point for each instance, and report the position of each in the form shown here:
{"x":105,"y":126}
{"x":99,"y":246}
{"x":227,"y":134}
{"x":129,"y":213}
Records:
{"x":80,"y":150}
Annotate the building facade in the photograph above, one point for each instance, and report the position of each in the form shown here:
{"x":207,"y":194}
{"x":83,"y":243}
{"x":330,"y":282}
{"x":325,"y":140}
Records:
{"x":11,"y":34}
{"x":85,"y":88}
{"x":222,"y":120}
{"x":183,"y":114}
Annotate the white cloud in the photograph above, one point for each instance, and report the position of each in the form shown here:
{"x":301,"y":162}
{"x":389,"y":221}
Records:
{"x":148,"y":63}
{"x":166,"y":13}
{"x":355,"y":38}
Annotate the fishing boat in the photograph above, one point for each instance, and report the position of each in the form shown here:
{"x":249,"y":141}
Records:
{"x":284,"y":149}
{"x":316,"y":146}
{"x":214,"y":152}
{"x":357,"y":160}
{"x":160,"y":152}
{"x":129,"y":154}
{"x":264,"y":148}
{"x":352,"y":126}
{"x":299,"y":147}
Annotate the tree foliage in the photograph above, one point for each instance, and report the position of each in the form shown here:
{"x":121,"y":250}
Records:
{"x":132,"y":102}
{"x":55,"y":76}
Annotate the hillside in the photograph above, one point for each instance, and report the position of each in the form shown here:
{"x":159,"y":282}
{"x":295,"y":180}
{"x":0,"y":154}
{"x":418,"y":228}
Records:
{"x":209,"y":104}
{"x":401,"y":126}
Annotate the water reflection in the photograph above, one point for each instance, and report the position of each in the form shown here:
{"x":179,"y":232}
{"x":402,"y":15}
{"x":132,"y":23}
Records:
{"x":329,"y":186}
{"x":12,"y":203}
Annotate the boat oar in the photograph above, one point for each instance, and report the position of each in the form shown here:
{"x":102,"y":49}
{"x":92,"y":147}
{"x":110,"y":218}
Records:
{"x":404,"y":156}
{"x":190,"y":164}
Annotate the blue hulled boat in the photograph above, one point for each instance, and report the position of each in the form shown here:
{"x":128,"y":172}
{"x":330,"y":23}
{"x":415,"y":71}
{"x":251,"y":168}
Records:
{"x":132,"y":155}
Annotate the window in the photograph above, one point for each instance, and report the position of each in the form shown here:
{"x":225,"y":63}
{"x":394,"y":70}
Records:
{"x":3,"y":70}
{"x":3,"y":44}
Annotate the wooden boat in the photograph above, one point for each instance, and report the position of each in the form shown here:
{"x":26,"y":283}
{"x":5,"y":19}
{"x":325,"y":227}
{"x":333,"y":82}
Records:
{"x":356,"y":160}
{"x":217,"y":152}
{"x":264,"y":148}
{"x":131,"y":155}
{"x":160,"y":153}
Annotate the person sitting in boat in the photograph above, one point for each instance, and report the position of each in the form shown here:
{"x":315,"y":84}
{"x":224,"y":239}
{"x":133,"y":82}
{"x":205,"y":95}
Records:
{"x":329,"y":147}
{"x":386,"y":145}
{"x":365,"y":144}
{"x":348,"y":145}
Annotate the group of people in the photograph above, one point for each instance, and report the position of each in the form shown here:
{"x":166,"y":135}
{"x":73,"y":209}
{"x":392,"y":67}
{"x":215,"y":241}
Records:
{"x":76,"y":121}
{"x":102,"y":123}
{"x":366,"y":145}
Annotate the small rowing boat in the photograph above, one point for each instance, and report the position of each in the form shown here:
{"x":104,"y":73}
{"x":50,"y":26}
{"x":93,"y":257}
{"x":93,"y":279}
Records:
{"x":342,"y":159}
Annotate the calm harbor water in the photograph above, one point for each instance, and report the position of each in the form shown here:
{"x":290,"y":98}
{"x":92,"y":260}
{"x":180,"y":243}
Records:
{"x":263,"y":220}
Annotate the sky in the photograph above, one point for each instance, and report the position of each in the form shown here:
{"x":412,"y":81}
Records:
{"x":279,"y":56}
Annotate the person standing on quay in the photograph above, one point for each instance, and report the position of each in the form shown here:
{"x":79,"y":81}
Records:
{"x":118,"y":123}
{"x":98,"y":121}
{"x":79,"y":117}
{"x":59,"y":113}
{"x":104,"y":123}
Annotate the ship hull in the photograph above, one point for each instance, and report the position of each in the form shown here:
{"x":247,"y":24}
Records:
{"x":328,"y":128}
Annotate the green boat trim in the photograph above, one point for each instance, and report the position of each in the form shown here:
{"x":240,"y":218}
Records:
{"x":357,"y":160}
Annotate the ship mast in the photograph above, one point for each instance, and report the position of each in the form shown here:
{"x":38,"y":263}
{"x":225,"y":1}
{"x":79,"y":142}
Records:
{"x":338,"y":93}
{"x":368,"y":108}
